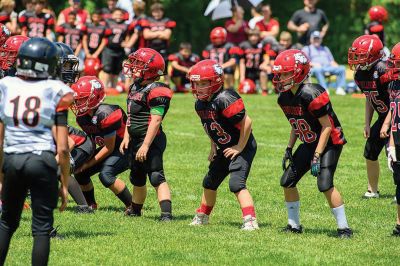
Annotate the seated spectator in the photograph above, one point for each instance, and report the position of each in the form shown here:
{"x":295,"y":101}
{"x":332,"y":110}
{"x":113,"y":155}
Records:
{"x":322,"y":63}
{"x":37,"y":23}
{"x":106,"y":11}
{"x":268,"y":27}
{"x":71,"y":34}
{"x":237,"y":27}
{"x":181,"y":62}
{"x":82,"y":16}
{"x":286,"y":42}
{"x":8,"y":16}
{"x":256,"y":16}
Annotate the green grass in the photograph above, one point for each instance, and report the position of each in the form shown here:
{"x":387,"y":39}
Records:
{"x":108,"y":237}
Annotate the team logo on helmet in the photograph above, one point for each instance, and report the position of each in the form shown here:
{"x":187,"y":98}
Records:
{"x":218,"y":69}
{"x":95,"y":84}
{"x":299,"y":57}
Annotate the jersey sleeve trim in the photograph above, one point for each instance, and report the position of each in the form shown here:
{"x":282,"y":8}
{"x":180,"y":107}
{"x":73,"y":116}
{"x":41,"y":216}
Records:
{"x":111,"y":119}
{"x":233,"y":109}
{"x":319,"y":102}
{"x":159,"y":92}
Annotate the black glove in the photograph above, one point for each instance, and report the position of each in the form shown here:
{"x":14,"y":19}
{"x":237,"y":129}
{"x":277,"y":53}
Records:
{"x":286,"y":157}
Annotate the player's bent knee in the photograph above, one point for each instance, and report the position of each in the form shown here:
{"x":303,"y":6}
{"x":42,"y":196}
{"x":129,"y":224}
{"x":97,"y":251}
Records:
{"x":106,"y":179}
{"x":82,"y":180}
{"x":208,"y":184}
{"x":237,"y":184}
{"x":157,"y":178}
{"x":137,"y":180}
{"x":289,"y":178}
{"x":324,"y":183}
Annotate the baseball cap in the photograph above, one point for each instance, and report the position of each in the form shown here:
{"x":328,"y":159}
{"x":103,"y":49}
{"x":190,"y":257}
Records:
{"x":315,"y":34}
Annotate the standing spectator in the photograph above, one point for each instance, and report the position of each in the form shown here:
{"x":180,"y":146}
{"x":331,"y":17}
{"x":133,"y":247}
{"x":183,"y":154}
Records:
{"x":256,"y":16}
{"x":181,"y":62}
{"x":107,"y":11}
{"x":95,"y":39}
{"x":113,"y":54}
{"x":305,"y":21}
{"x":286,"y":41}
{"x":29,"y":7}
{"x":71,"y":34}
{"x":137,"y":41}
{"x":237,"y":27}
{"x":37,"y":23}
{"x":322,"y":62}
{"x":268,"y":27}
{"x":157,"y":31}
{"x":82,"y":16}
{"x":8,"y":16}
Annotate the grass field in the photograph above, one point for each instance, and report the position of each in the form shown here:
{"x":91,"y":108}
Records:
{"x":108,"y":237}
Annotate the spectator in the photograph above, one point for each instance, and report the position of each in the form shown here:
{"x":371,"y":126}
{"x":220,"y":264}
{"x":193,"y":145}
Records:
{"x":71,"y":34}
{"x":137,"y":41}
{"x":322,"y":62}
{"x":157,"y":31}
{"x":256,"y":16}
{"x":307,"y":20}
{"x":286,"y":42}
{"x":181,"y":62}
{"x":127,"y":5}
{"x":8,"y":16}
{"x":29,"y":7}
{"x":82,"y":16}
{"x":37,"y":23}
{"x":237,"y":27}
{"x":106,"y":11}
{"x":95,"y":39}
{"x":268,"y":26}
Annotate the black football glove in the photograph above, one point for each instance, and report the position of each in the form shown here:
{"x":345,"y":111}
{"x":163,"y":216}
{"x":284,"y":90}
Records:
{"x":316,"y":165}
{"x":287,"y":157}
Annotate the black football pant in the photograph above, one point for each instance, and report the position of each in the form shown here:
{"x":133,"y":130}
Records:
{"x":37,"y":173}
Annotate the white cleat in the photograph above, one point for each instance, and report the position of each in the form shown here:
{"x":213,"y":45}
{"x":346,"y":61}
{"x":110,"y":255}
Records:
{"x":249,"y":223}
{"x":371,"y":195}
{"x":340,"y":91}
{"x":200,"y":219}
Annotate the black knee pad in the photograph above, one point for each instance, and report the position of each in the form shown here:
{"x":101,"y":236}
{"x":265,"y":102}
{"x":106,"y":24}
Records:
{"x":137,"y":180}
{"x":289,"y":178}
{"x":325,"y":179}
{"x":208,"y":183}
{"x":157,"y":178}
{"x":396,"y":173}
{"x":106,"y":179}
{"x":82,"y":180}
{"x":236,"y":183}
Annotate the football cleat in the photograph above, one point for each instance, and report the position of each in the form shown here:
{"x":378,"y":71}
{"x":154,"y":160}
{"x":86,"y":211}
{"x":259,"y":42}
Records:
{"x":129,"y":211}
{"x":200,"y":219}
{"x":291,"y":229}
{"x":84,"y":209}
{"x":344,"y":233}
{"x":370,"y":195}
{"x":249,"y":223}
{"x":396,"y":230}
{"x":55,"y":235}
{"x":166,"y":217}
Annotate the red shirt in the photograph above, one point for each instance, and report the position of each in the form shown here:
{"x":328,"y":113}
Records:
{"x":240,"y":35}
{"x":81,"y":15}
{"x":262,"y":26}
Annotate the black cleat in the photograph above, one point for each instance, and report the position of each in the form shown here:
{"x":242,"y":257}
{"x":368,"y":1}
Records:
{"x":396,"y":230}
{"x":129,"y":211}
{"x":344,"y":233}
{"x":55,"y":235}
{"x":83,"y":209}
{"x":290,"y":229}
{"x":166,"y":217}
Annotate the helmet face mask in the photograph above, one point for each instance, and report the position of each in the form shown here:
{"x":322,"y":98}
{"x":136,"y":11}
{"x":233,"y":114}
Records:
{"x":365,"y":52}
{"x":283,"y":80}
{"x":145,"y":64}
{"x":393,"y":63}
{"x":206,"y":78}
{"x":69,"y":69}
{"x":201,"y":90}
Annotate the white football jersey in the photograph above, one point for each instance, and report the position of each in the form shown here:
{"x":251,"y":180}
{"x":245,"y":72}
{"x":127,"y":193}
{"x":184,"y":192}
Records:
{"x":27,"y":109}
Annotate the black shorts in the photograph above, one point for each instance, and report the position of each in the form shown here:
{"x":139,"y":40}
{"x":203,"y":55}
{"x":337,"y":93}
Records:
{"x":152,"y":164}
{"x":302,"y":164}
{"x":375,"y":144}
{"x":238,"y":168}
{"x":253,"y":74}
{"x":34,"y":172}
{"x":112,"y":60}
{"x":229,"y":70}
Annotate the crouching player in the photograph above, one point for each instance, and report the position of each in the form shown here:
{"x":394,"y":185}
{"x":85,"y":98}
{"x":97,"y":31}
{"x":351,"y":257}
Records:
{"x":233,"y":146}
{"x":313,"y":121}
{"x":394,"y":143}
{"x":148,"y":103}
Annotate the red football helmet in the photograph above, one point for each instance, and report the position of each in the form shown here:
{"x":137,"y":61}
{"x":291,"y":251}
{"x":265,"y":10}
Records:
{"x":293,"y":62}
{"x":378,"y":13}
{"x":88,"y":95}
{"x":4,"y":34}
{"x":218,"y":36}
{"x":393,"y":65}
{"x":364,"y":52}
{"x":247,"y":86}
{"x":92,"y":67}
{"x":144,"y":64}
{"x":206,"y":70}
{"x":9,"y":50}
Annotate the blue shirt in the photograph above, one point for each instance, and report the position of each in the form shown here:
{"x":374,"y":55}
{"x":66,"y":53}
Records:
{"x":320,"y":54}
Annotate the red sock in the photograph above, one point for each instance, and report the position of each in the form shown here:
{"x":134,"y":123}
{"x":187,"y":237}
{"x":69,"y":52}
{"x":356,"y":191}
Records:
{"x":205,"y":209}
{"x":249,"y":211}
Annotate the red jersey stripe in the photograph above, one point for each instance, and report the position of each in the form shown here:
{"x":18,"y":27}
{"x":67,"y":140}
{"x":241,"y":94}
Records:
{"x":159,"y":92}
{"x":319,"y":102}
{"x":233,"y":109}
{"x":336,"y":134}
{"x":112,"y":118}
{"x":79,"y":140}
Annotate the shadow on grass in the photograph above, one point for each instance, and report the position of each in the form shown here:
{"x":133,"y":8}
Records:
{"x":84,"y":234}
{"x":321,"y":231}
{"x":181,"y":217}
{"x":381,"y":196}
{"x":239,"y":224}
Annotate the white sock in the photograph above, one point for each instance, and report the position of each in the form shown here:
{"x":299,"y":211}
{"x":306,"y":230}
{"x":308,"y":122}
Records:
{"x":340,"y":217}
{"x":293,"y":209}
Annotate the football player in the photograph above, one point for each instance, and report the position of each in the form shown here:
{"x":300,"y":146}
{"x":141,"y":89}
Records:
{"x":105,"y":125}
{"x":106,"y":12}
{"x":71,"y":33}
{"x":38,"y":23}
{"x":377,"y":16}
{"x":68,"y":64}
{"x":313,"y":121}
{"x":233,"y":147}
{"x":28,"y":115}
{"x":148,"y":103}
{"x":181,"y":62}
{"x":225,"y":53}
{"x":365,"y":58}
{"x":393,"y":72}
{"x":95,"y":39}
